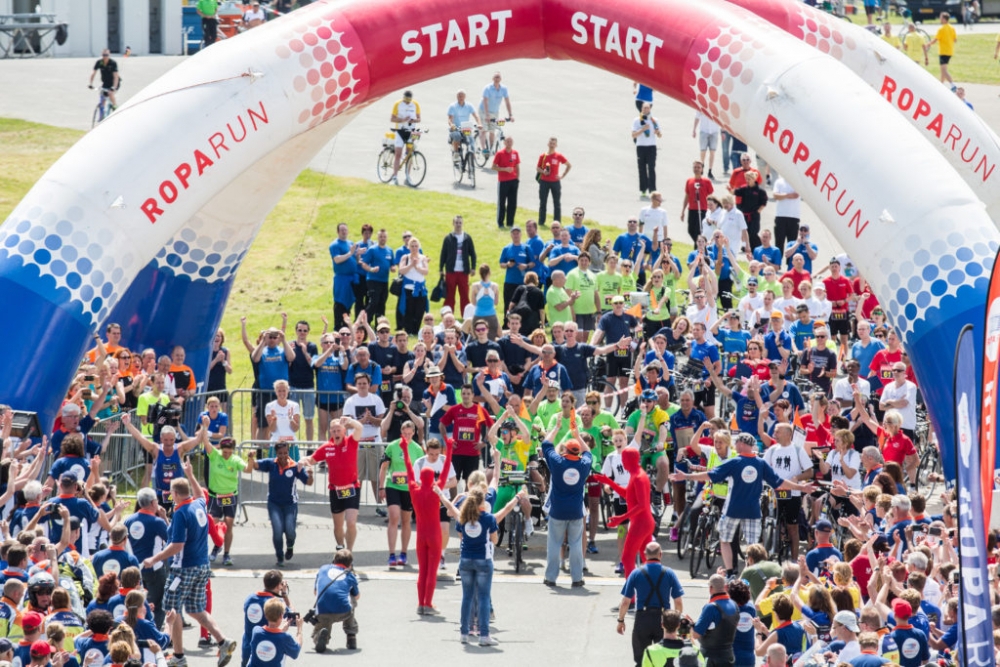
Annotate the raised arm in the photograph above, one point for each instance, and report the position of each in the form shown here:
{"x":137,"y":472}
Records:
{"x":150,"y":447}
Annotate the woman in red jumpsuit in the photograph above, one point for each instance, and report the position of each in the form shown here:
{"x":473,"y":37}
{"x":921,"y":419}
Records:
{"x":640,"y":513}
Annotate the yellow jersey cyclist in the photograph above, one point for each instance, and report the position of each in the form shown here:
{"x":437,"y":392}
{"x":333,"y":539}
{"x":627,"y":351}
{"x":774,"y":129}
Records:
{"x":650,"y":427}
{"x":512,"y":453}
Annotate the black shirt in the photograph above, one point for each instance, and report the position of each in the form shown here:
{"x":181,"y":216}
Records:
{"x":575,"y":360}
{"x":108,"y":71}
{"x":475,"y":353}
{"x":751,"y":199}
{"x":300,"y":371}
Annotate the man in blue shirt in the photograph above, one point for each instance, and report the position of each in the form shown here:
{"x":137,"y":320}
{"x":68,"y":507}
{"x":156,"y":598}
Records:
{"x":517,"y":258}
{"x":716,"y":627}
{"x":548,"y":370}
{"x":777,"y":342}
{"x":746,"y":475}
{"x":562,"y":257}
{"x":115,"y":558}
{"x":337,"y":595}
{"x":706,"y":354}
{"x":651,"y":588}
{"x":767,"y":253}
{"x":345,"y":273}
{"x":376,"y":262}
{"x":824,"y":549}
{"x":72,"y":422}
{"x":187,"y":580}
{"x":536,"y":244}
{"x":569,"y":474}
{"x":459,"y":114}
{"x":910,"y":642}
{"x":777,"y":388}
{"x":628,"y":245}
{"x":148,"y":533}
{"x":801,"y":246}
{"x":253,"y":608}
{"x":614,"y":327}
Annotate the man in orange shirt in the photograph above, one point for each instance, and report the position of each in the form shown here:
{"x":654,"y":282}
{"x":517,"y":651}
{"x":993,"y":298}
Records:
{"x":113,"y":332}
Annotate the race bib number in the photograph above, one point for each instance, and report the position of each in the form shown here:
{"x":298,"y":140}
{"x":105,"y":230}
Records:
{"x":799,"y":437}
{"x":621,"y":352}
{"x":227,"y":500}
{"x":838,"y":317}
{"x":386,"y":387}
{"x":466,"y":434}
{"x":784,"y":494}
{"x":732,"y":358}
{"x":167,"y":497}
{"x":684,"y":436}
{"x":345,"y":492}
{"x":506,"y":465}
{"x":399,"y":478}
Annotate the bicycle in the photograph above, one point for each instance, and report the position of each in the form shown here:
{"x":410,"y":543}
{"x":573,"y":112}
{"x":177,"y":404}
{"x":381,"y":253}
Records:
{"x":774,"y":535}
{"x":465,"y":166}
{"x":683,"y":530}
{"x":929,"y":471}
{"x":705,"y":542}
{"x":513,"y":524}
{"x":104,"y":107}
{"x":413,"y":162}
{"x":483,"y":154}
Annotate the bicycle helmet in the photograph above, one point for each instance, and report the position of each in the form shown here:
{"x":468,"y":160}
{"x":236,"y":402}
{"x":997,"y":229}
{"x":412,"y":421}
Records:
{"x":746,"y":439}
{"x":648,"y":395}
{"x":40,"y":583}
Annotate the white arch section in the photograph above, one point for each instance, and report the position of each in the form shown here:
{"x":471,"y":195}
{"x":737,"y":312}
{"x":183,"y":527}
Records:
{"x":956,"y":131}
{"x":169,"y":164}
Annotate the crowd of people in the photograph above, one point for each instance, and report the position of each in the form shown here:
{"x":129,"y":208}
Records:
{"x":599,"y":372}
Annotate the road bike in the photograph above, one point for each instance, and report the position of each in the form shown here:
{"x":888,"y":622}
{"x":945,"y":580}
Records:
{"x":705,"y":542}
{"x":104,"y":107}
{"x":412,"y":162}
{"x":481,"y":137}
{"x":514,"y":523}
{"x":463,"y":162}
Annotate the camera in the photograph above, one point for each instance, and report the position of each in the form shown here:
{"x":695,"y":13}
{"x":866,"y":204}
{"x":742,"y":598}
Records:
{"x":400,"y":405}
{"x":293,"y":618}
{"x":684,"y":629}
{"x":89,"y":378}
{"x":310,"y":617}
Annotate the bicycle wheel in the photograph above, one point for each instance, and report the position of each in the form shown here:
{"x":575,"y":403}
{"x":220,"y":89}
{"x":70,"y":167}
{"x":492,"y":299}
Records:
{"x":606,"y":511}
{"x":929,"y":461}
{"x":99,"y":114}
{"x":458,"y":167}
{"x":696,"y":549}
{"x":657,"y":508}
{"x":517,"y":530}
{"x":416,"y":169}
{"x":482,"y":157}
{"x":711,"y":548}
{"x":611,"y":398}
{"x":767,"y":537}
{"x":683,"y":534}
{"x":470,"y":170}
{"x":383,"y":169}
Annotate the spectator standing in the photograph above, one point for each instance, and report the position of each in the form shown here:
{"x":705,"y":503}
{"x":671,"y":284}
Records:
{"x":738,"y":179}
{"x":208,"y":10}
{"x":787,"y":212}
{"x":549,"y":180}
{"x":653,"y":220}
{"x":413,"y":267}
{"x":801,"y":245}
{"x":717,"y":625}
{"x":254,"y":16}
{"x":219,"y":368}
{"x":507,"y":164}
{"x":569,"y":474}
{"x":708,"y":138}
{"x":486,"y":296}
{"x":914,"y":44}
{"x":337,"y":596}
{"x":651,"y":588}
{"x":696,"y":192}
{"x":645,"y":130}
{"x":301,"y":379}
{"x":345,"y":274}
{"x":458,"y":260}
{"x":517,"y":259}
{"x":376,"y":262}
{"x":751,"y":201}
{"x":578,"y":231}
{"x":147,"y":534}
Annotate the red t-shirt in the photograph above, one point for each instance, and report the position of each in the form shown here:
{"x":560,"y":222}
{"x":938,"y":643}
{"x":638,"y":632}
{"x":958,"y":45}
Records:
{"x":838,"y":289}
{"x":881,"y":366}
{"x":897,"y":447}
{"x":869,"y":301}
{"x":507,"y":159}
{"x":698,"y":197}
{"x":552,"y":162}
{"x":341,"y":460}
{"x":818,"y":434}
{"x":466,"y":427}
{"x":797,"y":277}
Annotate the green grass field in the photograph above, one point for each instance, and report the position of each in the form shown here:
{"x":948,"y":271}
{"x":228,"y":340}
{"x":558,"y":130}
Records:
{"x":289,"y":267}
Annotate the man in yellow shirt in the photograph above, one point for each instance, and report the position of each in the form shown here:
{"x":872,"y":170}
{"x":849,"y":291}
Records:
{"x":945,"y":39}
{"x":890,"y":38}
{"x":914,"y":44}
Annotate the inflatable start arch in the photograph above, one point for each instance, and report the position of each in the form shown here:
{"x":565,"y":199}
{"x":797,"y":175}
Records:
{"x":145,"y":220}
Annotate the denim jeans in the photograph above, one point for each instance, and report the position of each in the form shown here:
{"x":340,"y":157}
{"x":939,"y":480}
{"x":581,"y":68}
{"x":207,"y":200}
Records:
{"x":477,"y":580}
{"x":282,"y":525}
{"x":571,"y":532}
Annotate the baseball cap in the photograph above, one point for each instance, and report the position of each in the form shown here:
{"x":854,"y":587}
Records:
{"x":68,"y":477}
{"x":31,"y":621}
{"x":803,"y":227}
{"x":6,"y":645}
{"x":848,"y":620}
{"x":40,"y":649}
{"x":751,"y":281}
{"x":833,"y":260}
{"x":823,"y":525}
{"x":901,"y":609}
{"x":384,"y":327}
{"x":776,"y":315}
{"x":573,"y":449}
{"x":618,"y":299}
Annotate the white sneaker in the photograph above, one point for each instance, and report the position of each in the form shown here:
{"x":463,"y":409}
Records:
{"x":443,"y":566}
{"x":465,"y":639}
{"x":487,"y":641}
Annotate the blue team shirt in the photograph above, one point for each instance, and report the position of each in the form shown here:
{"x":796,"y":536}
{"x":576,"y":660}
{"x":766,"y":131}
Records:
{"x":91,"y":650}
{"x":773,"y":342}
{"x":83,"y":510}
{"x":616,"y":327}
{"x":113,"y":560}
{"x":574,"y":360}
{"x":569,"y":477}
{"x":475,"y":535}
{"x":537,"y":246}
{"x":270,"y":648}
{"x":253,"y":617}
{"x":801,"y":249}
{"x":576,"y":234}
{"x":329,"y":377}
{"x":789,"y":392}
{"x":725,"y":273}
{"x":374,"y":373}
{"x":706,"y":353}
{"x":793,"y":637}
{"x":281,"y":488}
{"x":770,"y":255}
{"x":665,"y":373}
{"x":519,"y":254}
{"x":533,"y":380}
{"x":165,"y":469}
{"x":743,"y":501}
{"x":864,"y":355}
{"x":734,"y":346}
{"x":91,"y":447}
{"x":76,"y":465}
{"x":911,"y":644}
{"x":273,"y":367}
{"x":380,"y":257}
{"x":147,"y":534}
{"x":743,"y":643}
{"x":639,"y":587}
{"x":559,"y":251}
{"x":337,"y":597}
{"x":691,"y":422}
{"x":801,"y":334}
{"x":190,"y":526}
{"x":747,"y":413}
{"x":348,"y":267}
{"x":820,"y":554}
{"x":627,"y":246}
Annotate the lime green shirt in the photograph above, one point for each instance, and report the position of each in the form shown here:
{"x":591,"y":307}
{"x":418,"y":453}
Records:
{"x":628,"y":283}
{"x":145,"y":402}
{"x":649,"y":437}
{"x":208,"y":7}
{"x":545,"y":411}
{"x":223,"y":473}
{"x":555,"y":296}
{"x":663,"y":297}
{"x":773,"y":287}
{"x":720,"y":490}
{"x":395,"y":475}
{"x":601,"y":420}
{"x":514,"y":456}
{"x":586,"y":283}
{"x":608,"y":285}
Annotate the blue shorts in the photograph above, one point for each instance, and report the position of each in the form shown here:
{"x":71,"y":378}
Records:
{"x":306,"y":398}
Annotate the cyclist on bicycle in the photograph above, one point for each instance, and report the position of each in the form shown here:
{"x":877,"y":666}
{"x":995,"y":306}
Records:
{"x":512,"y":453}
{"x":110,"y":79}
{"x":458,"y":120}
{"x":405,"y":114}
{"x":650,"y":427}
{"x":493,"y":94}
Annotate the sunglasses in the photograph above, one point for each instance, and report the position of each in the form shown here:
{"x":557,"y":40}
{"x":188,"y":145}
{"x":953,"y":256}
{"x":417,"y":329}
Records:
{"x":481,"y":330}
{"x":593,"y":402}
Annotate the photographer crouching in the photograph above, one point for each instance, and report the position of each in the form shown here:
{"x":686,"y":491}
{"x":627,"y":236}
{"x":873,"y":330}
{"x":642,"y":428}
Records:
{"x":337,"y":597}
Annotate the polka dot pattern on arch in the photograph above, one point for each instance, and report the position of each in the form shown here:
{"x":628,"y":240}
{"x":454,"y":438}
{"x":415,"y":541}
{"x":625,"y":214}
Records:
{"x":206,"y":252}
{"x":822,"y":32}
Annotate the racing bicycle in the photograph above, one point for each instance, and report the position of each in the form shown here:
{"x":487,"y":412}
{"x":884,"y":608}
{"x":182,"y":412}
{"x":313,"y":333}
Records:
{"x":412,"y":162}
{"x":464,"y":161}
{"x":104,"y":106}
{"x":483,"y":154}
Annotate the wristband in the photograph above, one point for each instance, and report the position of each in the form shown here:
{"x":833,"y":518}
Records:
{"x":621,"y":620}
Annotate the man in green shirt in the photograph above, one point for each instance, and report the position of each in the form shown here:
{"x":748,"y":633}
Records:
{"x":512,"y":452}
{"x":584,"y":281}
{"x":224,"y":468}
{"x":609,"y":283}
{"x":558,"y":301}
{"x":545,"y":404}
{"x":394,"y":490}
{"x":208,"y":10}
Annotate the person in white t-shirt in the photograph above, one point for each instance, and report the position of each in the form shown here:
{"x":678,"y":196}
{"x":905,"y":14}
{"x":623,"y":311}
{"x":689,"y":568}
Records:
{"x":787,"y":303}
{"x":790,"y":462}
{"x":734,"y":226}
{"x":901,"y":395}
{"x":653,"y":219}
{"x":843,"y":389}
{"x":368,"y":409}
{"x":708,"y":138}
{"x":254,"y":16}
{"x":282,"y":414}
{"x":752,"y":301}
{"x":788,"y":212}
{"x":814,"y":296}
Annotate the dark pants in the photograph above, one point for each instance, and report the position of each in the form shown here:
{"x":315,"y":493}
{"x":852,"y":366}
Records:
{"x":645,"y":156}
{"x":726,"y":286}
{"x":210,"y":29}
{"x":695,"y":219}
{"x":506,"y":202}
{"x":413,"y":318}
{"x":339,"y":310}
{"x":155,"y":581}
{"x":544,"y":188}
{"x":647,"y":630}
{"x":785,"y":231}
{"x":282,"y":526}
{"x":378,"y":292}
{"x":753,"y":228}
{"x":508,"y":294}
{"x":360,"y":295}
